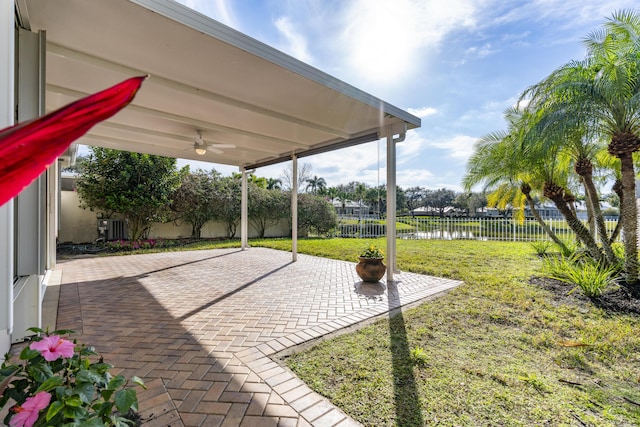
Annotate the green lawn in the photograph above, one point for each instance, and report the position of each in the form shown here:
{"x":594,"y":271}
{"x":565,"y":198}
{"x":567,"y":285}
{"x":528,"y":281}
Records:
{"x":495,"y":351}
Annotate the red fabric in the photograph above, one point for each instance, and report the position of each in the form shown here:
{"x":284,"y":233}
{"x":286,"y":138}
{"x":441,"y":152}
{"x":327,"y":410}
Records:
{"x":28,"y":148}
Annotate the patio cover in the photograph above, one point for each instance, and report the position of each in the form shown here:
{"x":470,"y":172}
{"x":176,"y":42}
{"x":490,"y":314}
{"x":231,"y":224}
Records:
{"x":203,"y":76}
{"x":264,"y":105}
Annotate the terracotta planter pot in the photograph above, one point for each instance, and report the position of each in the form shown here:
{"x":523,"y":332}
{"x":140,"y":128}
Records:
{"x":371,"y":269}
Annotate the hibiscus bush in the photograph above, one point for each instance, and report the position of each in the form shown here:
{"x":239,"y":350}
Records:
{"x":58,"y":382}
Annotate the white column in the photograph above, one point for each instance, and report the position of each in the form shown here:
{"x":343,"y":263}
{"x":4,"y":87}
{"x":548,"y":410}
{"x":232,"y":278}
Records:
{"x":53,"y":210}
{"x":7,"y":62}
{"x":244,"y":211}
{"x":391,"y":205}
{"x":294,"y":208}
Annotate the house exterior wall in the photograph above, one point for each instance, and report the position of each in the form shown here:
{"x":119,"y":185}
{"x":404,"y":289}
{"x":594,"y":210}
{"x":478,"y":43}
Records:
{"x":24,"y":229}
{"x":7,"y":87}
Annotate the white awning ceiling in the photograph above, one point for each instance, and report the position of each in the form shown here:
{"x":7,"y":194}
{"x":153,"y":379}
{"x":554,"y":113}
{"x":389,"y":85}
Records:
{"x":204,"y":76}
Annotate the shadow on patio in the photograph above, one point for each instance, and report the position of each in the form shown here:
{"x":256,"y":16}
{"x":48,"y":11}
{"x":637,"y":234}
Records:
{"x":203,"y":325}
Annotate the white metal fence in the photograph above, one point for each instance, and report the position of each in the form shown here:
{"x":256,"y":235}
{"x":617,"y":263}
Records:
{"x":459,"y":228}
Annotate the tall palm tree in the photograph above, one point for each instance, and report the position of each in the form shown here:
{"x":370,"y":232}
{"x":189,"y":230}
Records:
{"x":315,"y":185}
{"x":603,"y":90}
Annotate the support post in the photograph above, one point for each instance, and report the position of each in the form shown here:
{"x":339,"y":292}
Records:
{"x":294,"y":208}
{"x":244,"y":211}
{"x":391,"y":205}
{"x":391,"y":198}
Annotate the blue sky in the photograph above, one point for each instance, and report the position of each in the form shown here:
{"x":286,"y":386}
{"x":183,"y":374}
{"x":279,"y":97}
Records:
{"x":457,"y":64}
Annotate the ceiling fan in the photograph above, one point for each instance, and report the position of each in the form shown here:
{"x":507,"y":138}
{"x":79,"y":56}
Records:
{"x":201,"y":147}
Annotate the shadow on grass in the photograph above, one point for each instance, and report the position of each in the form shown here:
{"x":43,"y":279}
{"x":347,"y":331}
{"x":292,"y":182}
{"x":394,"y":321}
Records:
{"x":405,"y":391}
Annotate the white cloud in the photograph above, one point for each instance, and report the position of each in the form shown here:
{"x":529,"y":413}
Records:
{"x":359,"y":163}
{"x":296,"y":43}
{"x":563,"y":12}
{"x":412,"y":147}
{"x":458,"y":147}
{"x":422,"y":112}
{"x":406,"y":178}
{"x":482,"y":51}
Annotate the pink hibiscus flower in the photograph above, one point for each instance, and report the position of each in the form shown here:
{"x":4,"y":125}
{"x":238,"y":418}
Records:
{"x":53,"y":347}
{"x":27,"y":414}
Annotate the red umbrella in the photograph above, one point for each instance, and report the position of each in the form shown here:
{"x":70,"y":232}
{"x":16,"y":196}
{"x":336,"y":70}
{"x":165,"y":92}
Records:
{"x":28,"y":148}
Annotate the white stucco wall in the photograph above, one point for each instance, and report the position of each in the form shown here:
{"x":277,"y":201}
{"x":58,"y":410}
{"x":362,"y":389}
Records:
{"x":79,"y":225}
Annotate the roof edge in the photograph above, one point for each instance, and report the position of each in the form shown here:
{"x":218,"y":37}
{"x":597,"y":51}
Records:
{"x":193,"y":19}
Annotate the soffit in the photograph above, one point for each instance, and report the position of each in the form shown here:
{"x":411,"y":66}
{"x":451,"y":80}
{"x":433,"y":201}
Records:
{"x":204,"y":77}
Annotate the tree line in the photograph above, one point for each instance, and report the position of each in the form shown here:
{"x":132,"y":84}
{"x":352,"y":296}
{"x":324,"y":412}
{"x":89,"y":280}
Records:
{"x":144,"y":189}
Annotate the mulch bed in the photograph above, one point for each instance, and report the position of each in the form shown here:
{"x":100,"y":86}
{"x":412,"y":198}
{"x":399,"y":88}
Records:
{"x":618,"y":300}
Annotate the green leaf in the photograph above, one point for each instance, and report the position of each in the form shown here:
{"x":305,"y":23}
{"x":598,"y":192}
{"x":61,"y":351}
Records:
{"x":28,"y":354}
{"x":8,"y":371}
{"x":126,"y":399}
{"x":87,"y":376}
{"x":116,"y":382}
{"x":40,"y":372}
{"x":36,"y":330}
{"x":138,"y":381}
{"x":75,"y":412}
{"x":101,"y":368}
{"x":85,"y":391}
{"x":73,"y":401}
{"x":6,"y":376}
{"x":93,"y":422}
{"x":103,"y":409}
{"x":50,"y":383}
{"x":54,"y":409}
{"x":106,"y":394}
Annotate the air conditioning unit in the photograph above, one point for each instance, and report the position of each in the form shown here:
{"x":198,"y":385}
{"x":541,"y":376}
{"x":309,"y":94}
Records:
{"x":112,"y":229}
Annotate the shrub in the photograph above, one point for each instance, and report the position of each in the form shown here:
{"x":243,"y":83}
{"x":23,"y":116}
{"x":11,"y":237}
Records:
{"x":57,"y":383}
{"x":541,"y":247}
{"x":590,"y":276}
{"x":130,"y":245}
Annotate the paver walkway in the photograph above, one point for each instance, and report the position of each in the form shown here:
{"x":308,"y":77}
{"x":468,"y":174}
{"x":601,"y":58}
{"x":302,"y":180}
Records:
{"x":199,"y":328}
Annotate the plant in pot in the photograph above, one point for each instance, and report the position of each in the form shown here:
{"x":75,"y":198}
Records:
{"x":371,"y":268}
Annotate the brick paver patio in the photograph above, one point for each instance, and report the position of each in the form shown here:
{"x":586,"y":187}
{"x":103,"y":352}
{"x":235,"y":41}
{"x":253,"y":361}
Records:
{"x":200,"y":328}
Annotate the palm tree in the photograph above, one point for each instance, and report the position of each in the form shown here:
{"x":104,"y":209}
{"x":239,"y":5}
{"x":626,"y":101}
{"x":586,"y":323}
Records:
{"x":584,"y":150}
{"x":603,"y":90}
{"x":315,"y":185}
{"x":343,"y":198}
{"x":332,"y":193}
{"x":274,"y":184}
{"x":499,"y":163}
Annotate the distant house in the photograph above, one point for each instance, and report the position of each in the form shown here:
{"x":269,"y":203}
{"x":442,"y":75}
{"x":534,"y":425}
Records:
{"x":546,"y":211}
{"x":350,"y":208}
{"x":449,"y":211}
